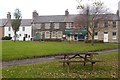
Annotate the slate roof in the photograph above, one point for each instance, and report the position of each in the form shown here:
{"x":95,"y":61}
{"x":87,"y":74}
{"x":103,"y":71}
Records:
{"x":2,"y":22}
{"x":110,"y":17}
{"x":24,"y":22}
{"x":55,"y":18}
{"x":70,"y":18}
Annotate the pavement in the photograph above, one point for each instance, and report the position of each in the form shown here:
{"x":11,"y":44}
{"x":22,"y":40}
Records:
{"x":42,"y":60}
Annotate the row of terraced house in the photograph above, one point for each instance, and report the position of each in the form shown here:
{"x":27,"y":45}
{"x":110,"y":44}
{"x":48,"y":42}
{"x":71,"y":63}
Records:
{"x":60,"y":27}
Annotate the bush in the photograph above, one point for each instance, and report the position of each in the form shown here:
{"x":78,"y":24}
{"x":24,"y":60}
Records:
{"x":6,"y":38}
{"x":54,"y":40}
{"x":57,"y":40}
{"x":95,"y":41}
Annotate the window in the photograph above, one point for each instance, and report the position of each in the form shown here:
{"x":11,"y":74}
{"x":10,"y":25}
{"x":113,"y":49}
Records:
{"x":96,"y":34}
{"x":56,"y":25}
{"x":23,"y":28}
{"x":37,"y":26}
{"x":47,"y":34}
{"x":54,"y":34}
{"x":9,"y":28}
{"x":20,"y":35}
{"x":106,"y":24}
{"x":114,"y":35}
{"x":47,"y":25}
{"x":114,"y":23}
{"x":69,"y":25}
{"x":25,"y":35}
{"x":59,"y":34}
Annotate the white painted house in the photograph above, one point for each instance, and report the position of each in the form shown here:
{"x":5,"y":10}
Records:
{"x":24,"y":33}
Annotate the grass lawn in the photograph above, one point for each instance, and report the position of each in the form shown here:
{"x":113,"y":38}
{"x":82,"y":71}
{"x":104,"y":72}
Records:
{"x":19,"y":50}
{"x":107,"y":69}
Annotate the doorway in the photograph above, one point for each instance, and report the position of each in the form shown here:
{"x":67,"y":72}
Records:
{"x":105,"y":36}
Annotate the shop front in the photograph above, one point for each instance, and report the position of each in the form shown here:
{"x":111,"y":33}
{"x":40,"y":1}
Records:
{"x":76,"y":35}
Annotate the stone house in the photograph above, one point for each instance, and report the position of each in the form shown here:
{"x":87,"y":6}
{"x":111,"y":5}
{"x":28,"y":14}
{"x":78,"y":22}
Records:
{"x":107,"y":30}
{"x":54,"y":26}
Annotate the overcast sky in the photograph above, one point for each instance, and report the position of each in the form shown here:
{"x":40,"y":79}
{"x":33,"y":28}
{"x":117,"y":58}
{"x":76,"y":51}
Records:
{"x":45,"y":7}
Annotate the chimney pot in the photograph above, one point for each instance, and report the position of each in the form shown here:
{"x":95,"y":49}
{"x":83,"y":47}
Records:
{"x":35,"y":14}
{"x":66,"y":12}
{"x":8,"y":15}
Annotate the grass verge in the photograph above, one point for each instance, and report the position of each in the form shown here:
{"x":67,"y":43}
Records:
{"x":21,"y":50}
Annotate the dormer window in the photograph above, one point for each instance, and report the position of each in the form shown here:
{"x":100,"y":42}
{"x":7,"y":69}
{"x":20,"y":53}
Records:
{"x":47,"y":25}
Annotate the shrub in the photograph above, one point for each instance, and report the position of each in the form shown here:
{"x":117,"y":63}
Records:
{"x":6,"y":38}
{"x":95,"y":41}
{"x":57,"y":40}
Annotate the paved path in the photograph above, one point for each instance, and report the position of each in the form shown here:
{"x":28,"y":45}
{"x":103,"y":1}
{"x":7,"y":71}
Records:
{"x":41,"y":60}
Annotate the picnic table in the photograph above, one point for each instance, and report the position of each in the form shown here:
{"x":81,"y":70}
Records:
{"x":83,"y":57}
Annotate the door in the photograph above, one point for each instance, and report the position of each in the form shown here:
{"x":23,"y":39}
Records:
{"x":37,"y":36}
{"x":105,"y":36}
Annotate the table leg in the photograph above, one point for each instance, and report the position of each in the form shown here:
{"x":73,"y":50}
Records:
{"x":85,"y":59}
{"x":66,"y":57}
{"x":64,"y":60}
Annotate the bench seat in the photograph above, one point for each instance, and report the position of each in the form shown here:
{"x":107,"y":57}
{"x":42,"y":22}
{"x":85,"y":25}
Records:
{"x":72,"y":61}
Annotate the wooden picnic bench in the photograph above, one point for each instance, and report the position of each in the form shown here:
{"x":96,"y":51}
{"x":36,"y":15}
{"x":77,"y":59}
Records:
{"x":83,"y":57}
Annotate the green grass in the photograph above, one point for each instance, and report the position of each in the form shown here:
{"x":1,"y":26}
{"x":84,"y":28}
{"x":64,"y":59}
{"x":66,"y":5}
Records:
{"x":107,"y":69}
{"x":20,"y":50}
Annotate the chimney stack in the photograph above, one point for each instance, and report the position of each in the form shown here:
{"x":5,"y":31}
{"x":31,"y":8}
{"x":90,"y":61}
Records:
{"x":9,"y":16}
{"x":35,"y":14}
{"x":66,"y":12}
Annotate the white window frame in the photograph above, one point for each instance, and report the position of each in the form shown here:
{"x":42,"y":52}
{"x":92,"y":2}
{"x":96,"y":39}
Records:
{"x":47,"y":25}
{"x":69,"y":25}
{"x":54,"y":34}
{"x":96,"y":36}
{"x":114,"y":36}
{"x":56,"y":25}
{"x":47,"y":36}
{"x":59,"y":34}
{"x":114,"y":25}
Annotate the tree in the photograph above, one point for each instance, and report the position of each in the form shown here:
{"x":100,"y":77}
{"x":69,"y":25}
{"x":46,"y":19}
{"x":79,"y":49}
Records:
{"x":90,"y":15}
{"x":16,"y":22}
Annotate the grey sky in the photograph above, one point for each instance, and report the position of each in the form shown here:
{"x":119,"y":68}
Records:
{"x":45,"y":7}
